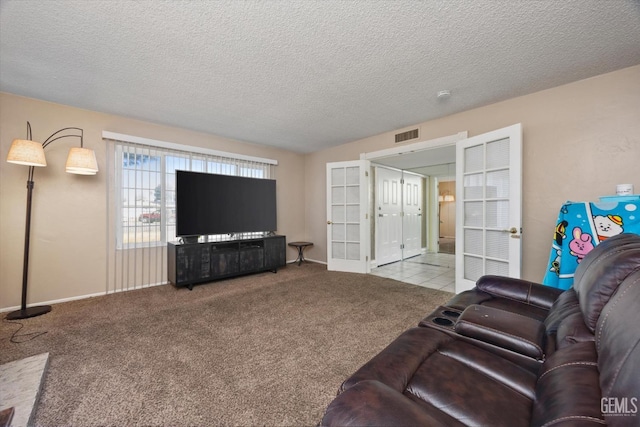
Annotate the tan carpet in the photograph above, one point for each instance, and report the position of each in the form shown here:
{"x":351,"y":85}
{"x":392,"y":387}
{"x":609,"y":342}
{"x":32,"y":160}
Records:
{"x":267,"y":349}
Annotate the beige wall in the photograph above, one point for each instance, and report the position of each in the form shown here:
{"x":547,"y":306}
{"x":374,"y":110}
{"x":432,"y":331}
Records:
{"x":580,"y":140}
{"x":68,"y":235}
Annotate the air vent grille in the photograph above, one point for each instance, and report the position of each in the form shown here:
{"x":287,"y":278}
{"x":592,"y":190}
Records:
{"x":405,"y":136}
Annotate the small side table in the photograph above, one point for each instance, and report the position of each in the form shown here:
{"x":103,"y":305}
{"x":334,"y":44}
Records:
{"x":300,"y":246}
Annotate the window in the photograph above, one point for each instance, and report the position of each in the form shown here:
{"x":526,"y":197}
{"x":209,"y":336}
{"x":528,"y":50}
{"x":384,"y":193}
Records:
{"x":145,"y":189}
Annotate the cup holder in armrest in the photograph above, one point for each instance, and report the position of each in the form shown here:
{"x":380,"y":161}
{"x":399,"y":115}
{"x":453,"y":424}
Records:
{"x":442,"y":321}
{"x":443,"y":318}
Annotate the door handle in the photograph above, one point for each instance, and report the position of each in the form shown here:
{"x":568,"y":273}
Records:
{"x":511,"y":230}
{"x":329,"y":222}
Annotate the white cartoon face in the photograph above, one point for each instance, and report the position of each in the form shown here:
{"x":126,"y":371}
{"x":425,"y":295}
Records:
{"x":608,"y":226}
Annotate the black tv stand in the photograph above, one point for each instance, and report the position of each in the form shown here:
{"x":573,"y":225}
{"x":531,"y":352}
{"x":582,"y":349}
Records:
{"x":192,"y":263}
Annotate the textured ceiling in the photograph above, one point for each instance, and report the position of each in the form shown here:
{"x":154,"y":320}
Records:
{"x":305,"y":75}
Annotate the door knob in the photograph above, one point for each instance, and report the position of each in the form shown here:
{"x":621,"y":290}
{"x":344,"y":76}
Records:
{"x":512,"y":230}
{"x":329,"y":222}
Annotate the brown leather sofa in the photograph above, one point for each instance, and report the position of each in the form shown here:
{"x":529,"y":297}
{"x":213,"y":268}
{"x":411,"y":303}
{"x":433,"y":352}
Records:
{"x":514,"y":353}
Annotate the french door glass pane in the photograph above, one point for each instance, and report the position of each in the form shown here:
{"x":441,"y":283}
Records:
{"x":353,"y":251}
{"x":498,"y":154}
{"x":353,"y":194}
{"x":497,"y":268}
{"x":473,"y":214}
{"x":498,"y":244}
{"x":338,"y":232}
{"x":338,"y":251}
{"x":338,"y":213}
{"x":498,"y":184}
{"x":353,"y":176}
{"x":474,"y":158}
{"x":353,"y":212}
{"x":473,"y":242}
{"x":337,"y":176}
{"x":353,"y":232}
{"x":472,"y":268}
{"x":498,"y":214}
{"x":473,"y":186}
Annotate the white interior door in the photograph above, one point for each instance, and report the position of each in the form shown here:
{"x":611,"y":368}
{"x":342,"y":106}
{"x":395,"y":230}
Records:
{"x":489,"y":200}
{"x":347,"y":218}
{"x":412,"y":215}
{"x":388,"y":215}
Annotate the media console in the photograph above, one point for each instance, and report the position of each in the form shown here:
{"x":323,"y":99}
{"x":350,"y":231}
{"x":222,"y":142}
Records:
{"x":192,"y":263}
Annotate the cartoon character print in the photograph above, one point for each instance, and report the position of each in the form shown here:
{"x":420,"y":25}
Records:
{"x":555,"y":264}
{"x":560,"y":232}
{"x":581,"y":244}
{"x":607,"y":226}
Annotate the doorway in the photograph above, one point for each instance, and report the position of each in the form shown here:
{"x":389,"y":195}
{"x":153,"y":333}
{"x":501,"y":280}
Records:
{"x":432,"y":265}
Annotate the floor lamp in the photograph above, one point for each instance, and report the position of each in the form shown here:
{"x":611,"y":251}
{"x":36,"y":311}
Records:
{"x":80,"y":161}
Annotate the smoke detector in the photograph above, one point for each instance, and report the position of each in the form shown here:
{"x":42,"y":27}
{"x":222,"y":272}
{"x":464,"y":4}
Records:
{"x":444,"y":94}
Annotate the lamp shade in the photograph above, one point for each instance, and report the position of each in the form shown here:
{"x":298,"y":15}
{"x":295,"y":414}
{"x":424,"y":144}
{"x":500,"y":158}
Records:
{"x":25,"y":152}
{"x":81,"y":161}
{"x":449,"y":198}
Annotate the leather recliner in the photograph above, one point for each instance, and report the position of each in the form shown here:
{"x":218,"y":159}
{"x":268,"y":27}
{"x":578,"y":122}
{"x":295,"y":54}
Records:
{"x":497,"y":364}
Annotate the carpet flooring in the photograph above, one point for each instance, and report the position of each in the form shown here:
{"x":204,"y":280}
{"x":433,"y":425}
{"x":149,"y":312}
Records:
{"x":266,"y":349}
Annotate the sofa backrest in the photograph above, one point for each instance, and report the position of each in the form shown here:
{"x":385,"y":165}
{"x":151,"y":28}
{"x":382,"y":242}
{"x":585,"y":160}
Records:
{"x":601,"y":272}
{"x":618,"y":345}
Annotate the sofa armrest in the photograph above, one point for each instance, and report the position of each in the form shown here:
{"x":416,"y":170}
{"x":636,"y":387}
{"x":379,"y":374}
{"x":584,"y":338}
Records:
{"x":503,"y":329}
{"x":519,"y":290}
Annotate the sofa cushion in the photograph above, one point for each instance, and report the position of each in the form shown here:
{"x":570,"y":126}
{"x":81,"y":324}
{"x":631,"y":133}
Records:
{"x":572,"y":330}
{"x":463,"y":381}
{"x":567,"y":390}
{"x":399,"y":361}
{"x":566,"y":304}
{"x":372,"y":403}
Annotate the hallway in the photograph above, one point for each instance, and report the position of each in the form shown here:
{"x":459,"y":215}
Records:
{"x":430,"y":270}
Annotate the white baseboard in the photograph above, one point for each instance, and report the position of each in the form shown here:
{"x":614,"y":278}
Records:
{"x":97,"y":294}
{"x":308,"y":259}
{"x":17,"y":307}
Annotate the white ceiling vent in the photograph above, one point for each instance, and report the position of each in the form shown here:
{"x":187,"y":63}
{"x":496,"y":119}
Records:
{"x":406,"y":136}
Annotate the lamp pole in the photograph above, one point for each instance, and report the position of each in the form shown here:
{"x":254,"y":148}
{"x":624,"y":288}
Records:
{"x":25,"y":312}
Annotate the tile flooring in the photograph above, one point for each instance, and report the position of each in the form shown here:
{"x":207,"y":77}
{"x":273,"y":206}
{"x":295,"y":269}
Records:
{"x":431,"y":270}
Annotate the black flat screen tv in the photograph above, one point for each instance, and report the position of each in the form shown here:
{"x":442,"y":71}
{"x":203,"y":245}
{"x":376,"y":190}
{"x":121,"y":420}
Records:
{"x":223,"y":204}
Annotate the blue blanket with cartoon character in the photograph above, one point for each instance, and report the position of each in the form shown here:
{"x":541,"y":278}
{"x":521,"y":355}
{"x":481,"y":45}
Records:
{"x":580,"y":227}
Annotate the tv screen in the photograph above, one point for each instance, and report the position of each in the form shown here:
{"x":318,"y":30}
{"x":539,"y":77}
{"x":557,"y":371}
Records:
{"x":222,"y":204}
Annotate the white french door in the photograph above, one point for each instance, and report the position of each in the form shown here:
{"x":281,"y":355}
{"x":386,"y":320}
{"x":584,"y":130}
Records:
{"x":389,"y":216}
{"x":489,"y":206}
{"x":412,"y":215}
{"x":348,"y":227}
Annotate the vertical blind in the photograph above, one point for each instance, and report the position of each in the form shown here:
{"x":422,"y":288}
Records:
{"x":141,"y":199}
